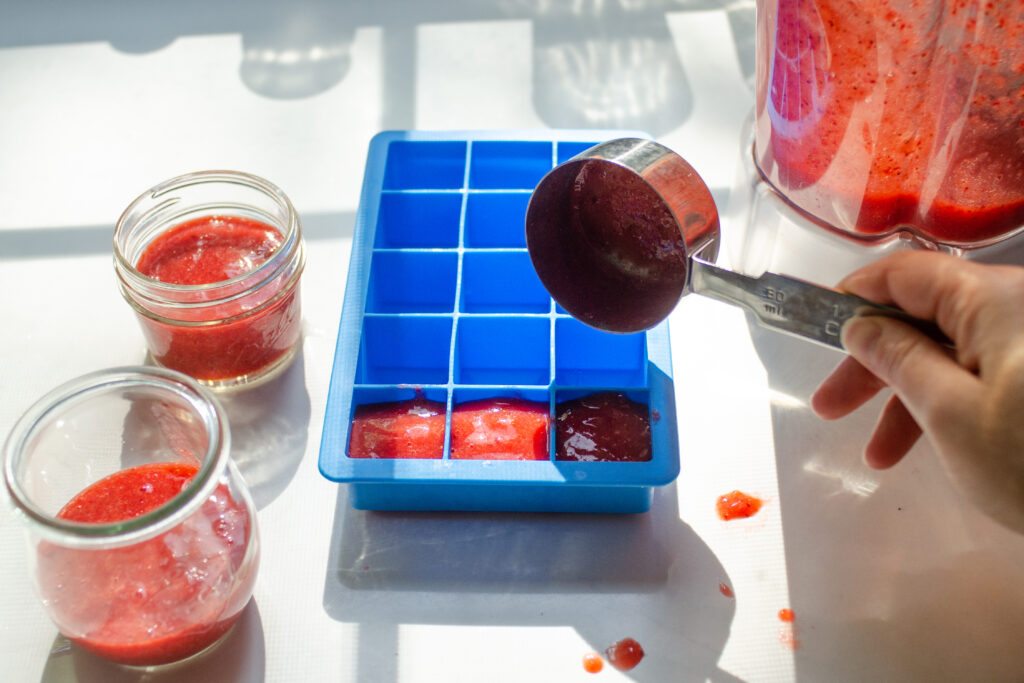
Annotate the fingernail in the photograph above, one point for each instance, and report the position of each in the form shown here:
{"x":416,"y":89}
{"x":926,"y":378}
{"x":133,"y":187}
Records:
{"x":860,"y":334}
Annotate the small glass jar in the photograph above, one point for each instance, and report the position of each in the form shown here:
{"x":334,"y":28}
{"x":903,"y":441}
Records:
{"x":143,"y":543}
{"x":242,"y":326}
{"x":879,"y":119}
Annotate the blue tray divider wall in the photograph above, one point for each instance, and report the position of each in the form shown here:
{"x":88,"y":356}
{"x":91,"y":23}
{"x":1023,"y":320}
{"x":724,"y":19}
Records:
{"x":442,"y":301}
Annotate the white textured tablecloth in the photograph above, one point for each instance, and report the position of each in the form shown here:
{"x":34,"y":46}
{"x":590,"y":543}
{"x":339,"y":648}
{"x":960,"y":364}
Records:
{"x":890,"y":575}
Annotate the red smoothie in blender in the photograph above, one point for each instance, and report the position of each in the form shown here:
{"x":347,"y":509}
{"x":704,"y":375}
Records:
{"x":874,"y":116}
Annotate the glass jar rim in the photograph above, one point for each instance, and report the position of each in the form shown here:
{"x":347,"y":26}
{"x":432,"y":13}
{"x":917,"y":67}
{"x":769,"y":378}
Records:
{"x":162,"y":518}
{"x":291,"y":240}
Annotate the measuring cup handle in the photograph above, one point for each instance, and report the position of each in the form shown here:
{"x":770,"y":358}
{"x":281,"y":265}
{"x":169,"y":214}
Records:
{"x":794,"y":306}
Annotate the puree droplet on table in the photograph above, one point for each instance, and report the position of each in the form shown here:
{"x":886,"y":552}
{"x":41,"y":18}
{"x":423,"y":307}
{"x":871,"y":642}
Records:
{"x":737,"y":505}
{"x":592,"y":663}
{"x":625,"y":654}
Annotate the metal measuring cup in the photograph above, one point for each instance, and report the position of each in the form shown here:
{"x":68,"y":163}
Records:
{"x":619,"y":233}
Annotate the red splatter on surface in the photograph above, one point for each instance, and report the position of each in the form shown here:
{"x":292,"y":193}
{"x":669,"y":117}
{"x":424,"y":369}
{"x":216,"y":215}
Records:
{"x":725,"y":590}
{"x":787,"y":632}
{"x":737,"y":505}
{"x":787,"y":636}
{"x":625,"y":654}
{"x":592,"y":663}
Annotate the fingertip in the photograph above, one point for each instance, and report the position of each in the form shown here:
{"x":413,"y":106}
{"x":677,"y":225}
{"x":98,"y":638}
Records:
{"x":823,"y":407}
{"x":847,"y":388}
{"x":880,"y":459}
{"x":860,"y":334}
{"x":895,"y":434}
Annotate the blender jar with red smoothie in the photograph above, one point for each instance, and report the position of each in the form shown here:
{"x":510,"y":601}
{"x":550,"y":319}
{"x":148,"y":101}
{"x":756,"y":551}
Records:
{"x":881,"y":117}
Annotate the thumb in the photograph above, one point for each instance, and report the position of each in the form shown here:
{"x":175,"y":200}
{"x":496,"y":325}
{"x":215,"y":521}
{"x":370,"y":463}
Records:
{"x":931,"y":385}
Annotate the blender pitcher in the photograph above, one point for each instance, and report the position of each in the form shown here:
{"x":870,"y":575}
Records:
{"x":877,"y":118}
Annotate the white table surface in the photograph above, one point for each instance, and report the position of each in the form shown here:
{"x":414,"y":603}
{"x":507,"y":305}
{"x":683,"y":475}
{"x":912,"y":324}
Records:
{"x":891,"y":575}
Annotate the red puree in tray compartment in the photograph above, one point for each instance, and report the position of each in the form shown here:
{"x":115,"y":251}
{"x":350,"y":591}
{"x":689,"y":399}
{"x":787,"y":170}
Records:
{"x":133,"y":595}
{"x":605,"y":426}
{"x":208,"y":250}
{"x":399,"y":429}
{"x":500,"y":429}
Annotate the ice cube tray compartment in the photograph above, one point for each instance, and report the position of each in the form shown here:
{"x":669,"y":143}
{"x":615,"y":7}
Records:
{"x":442,"y":303}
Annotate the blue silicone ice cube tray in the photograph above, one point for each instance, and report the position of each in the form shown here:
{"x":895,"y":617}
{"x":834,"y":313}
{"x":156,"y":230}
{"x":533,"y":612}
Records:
{"x":442,"y":302}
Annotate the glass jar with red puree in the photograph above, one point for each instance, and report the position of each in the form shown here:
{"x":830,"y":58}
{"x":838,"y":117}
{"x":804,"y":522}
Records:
{"x":876,"y":117}
{"x":211,"y":263}
{"x":143,"y":540}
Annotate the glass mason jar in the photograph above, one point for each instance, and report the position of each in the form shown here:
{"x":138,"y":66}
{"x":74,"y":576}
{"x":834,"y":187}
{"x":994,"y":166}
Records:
{"x":143,"y":544}
{"x":876,"y":118}
{"x":211,"y":262}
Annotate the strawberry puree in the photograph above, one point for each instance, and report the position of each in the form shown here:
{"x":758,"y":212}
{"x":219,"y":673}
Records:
{"x":239,"y":336}
{"x":877,"y":114}
{"x":160,"y":600}
{"x":500,"y":429}
{"x":625,"y":654}
{"x":737,"y":505}
{"x":399,"y":429}
{"x":592,"y":663}
{"x":606,"y":426}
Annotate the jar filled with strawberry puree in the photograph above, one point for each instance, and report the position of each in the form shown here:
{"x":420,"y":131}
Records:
{"x":143,"y":541}
{"x":211,"y":263}
{"x":882,"y":117}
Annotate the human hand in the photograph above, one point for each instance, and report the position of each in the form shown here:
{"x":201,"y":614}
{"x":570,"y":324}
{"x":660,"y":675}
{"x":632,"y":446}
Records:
{"x":968,"y":403}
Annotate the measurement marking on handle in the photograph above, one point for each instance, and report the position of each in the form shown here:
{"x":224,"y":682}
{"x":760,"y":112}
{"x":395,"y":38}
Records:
{"x":834,"y":324}
{"x":772,"y":300}
{"x":794,"y":306}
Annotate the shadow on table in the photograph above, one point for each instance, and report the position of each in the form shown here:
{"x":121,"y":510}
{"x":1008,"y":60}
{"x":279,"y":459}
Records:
{"x":892,"y":575}
{"x":83,"y":240}
{"x":608,"y":65}
{"x":595,"y":65}
{"x":269,"y":430}
{"x":240,"y":657}
{"x":269,"y":426}
{"x":647,"y":576}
